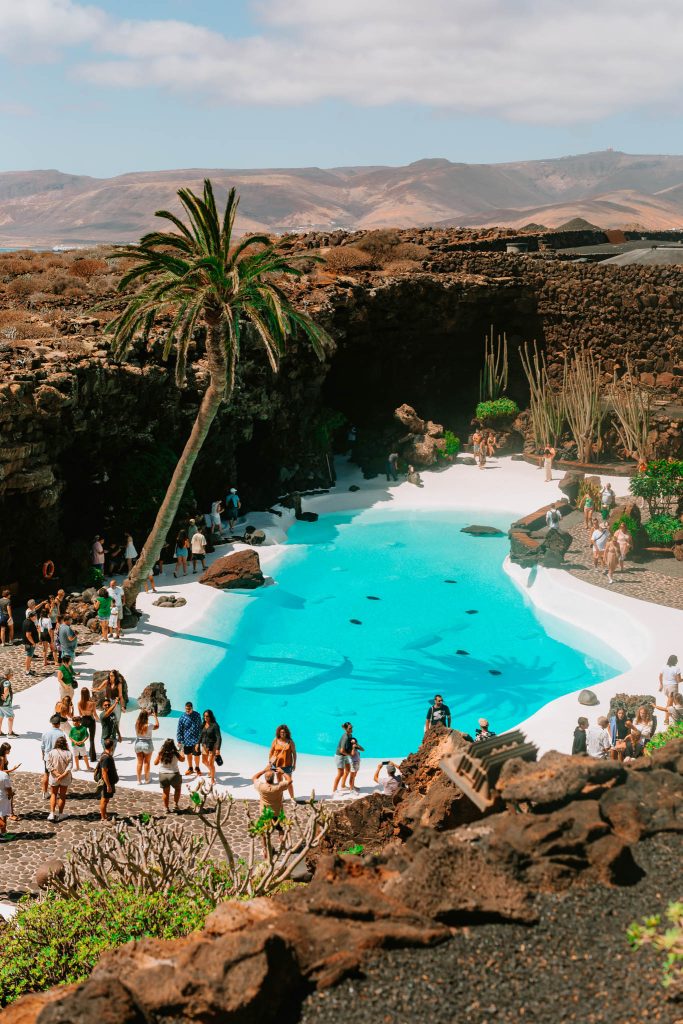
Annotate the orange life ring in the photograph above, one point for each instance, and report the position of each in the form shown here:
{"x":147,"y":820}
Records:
{"x":48,"y":570}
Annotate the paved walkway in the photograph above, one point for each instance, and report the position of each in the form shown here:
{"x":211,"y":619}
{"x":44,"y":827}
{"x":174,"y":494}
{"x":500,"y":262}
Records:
{"x":640,"y":581}
{"x":13,"y":656}
{"x":38,"y":840}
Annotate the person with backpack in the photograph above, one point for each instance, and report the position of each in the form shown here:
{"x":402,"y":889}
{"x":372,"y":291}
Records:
{"x":232,"y":508}
{"x":106,"y":776}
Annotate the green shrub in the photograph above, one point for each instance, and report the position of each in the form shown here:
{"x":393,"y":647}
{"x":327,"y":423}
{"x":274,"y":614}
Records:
{"x":629,"y":522}
{"x":660,"y":530}
{"x":96,"y":576}
{"x":668,"y":941}
{"x":452,"y":443}
{"x":498,"y":409}
{"x":353,"y":851}
{"x":661,"y":485}
{"x":57,"y":940}
{"x":660,"y":739}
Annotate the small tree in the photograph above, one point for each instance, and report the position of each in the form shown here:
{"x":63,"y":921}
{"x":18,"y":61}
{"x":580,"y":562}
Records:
{"x":660,"y":486}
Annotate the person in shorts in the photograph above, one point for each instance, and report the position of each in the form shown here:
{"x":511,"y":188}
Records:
{"x":187,"y":737}
{"x":169,"y":773}
{"x":108,"y":777}
{"x":6,"y":620}
{"x":29,"y":633}
{"x":6,"y":702}
{"x":198,"y":549}
{"x":343,"y":754}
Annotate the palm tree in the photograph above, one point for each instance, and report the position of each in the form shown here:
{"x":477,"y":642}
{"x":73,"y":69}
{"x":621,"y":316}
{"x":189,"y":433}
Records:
{"x":199,"y":276}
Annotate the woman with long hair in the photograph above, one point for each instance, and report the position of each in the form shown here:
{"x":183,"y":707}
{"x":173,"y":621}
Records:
{"x":210,"y":743}
{"x":283,"y":754}
{"x":144,"y":744}
{"x":182,"y":546}
{"x":87,"y":709}
{"x":58,"y":763}
{"x":169,"y":773}
{"x":65,"y":709}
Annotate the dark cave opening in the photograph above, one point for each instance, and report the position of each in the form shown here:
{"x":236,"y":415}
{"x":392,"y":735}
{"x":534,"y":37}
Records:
{"x":421,"y":342}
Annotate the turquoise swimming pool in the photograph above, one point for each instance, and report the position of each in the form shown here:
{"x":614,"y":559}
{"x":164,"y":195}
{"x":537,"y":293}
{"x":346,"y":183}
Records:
{"x":371,"y":614}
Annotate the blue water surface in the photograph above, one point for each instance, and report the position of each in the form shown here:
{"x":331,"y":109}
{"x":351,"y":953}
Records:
{"x":371,"y":614}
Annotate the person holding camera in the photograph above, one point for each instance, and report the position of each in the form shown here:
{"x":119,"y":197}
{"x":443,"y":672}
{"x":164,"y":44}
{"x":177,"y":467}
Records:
{"x":169,"y":773}
{"x":392,"y":782}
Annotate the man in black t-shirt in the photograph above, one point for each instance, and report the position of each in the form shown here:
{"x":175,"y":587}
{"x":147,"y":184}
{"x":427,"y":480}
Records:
{"x":438,"y":713}
{"x":109,"y":776}
{"x":29,"y":633}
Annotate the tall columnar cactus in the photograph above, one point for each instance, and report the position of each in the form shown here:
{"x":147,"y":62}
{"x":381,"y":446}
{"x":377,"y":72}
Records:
{"x":546,"y":406}
{"x":493,"y":379}
{"x":631,"y":406}
{"x":582,"y":398}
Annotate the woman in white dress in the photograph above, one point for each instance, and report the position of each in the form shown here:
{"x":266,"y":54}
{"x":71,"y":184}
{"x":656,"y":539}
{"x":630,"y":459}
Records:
{"x":548,"y":456}
{"x":130,"y":554}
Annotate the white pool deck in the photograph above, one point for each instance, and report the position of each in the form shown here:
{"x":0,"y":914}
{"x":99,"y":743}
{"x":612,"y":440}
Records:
{"x":645,"y":634}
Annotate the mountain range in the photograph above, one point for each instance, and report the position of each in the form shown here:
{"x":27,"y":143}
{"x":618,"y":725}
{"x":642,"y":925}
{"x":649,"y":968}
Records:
{"x":609,"y":189}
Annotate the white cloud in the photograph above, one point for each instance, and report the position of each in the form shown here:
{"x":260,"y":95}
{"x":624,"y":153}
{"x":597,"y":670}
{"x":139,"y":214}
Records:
{"x":543,"y":61}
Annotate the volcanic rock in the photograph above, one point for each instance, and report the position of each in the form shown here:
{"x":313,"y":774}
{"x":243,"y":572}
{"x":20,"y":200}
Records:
{"x":588,"y":698}
{"x":570,"y":484}
{"x":48,"y":870}
{"x":155,"y":699}
{"x":169,"y":601}
{"x":483,"y":531}
{"x":555,"y":779}
{"x":652,"y":801}
{"x":239,"y":571}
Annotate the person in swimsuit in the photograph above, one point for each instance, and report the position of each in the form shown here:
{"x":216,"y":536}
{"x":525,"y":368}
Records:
{"x":588,"y":505}
{"x":624,"y":542}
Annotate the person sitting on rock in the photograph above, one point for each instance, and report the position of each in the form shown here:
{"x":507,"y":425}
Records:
{"x":392,"y":783}
{"x":553,"y":517}
{"x":414,"y":477}
{"x":483,"y":732}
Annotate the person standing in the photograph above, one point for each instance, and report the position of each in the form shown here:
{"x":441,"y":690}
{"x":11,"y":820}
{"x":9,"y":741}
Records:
{"x":191,"y":529}
{"x":599,"y":538}
{"x":216,"y":524}
{"x":113,"y":692}
{"x":7,"y":702}
{"x":607,"y":501}
{"x":66,"y":678}
{"x":343,"y":756}
{"x":356,"y":751}
{"x":68,"y":641}
{"x":6,"y":795}
{"x":611,"y":558}
{"x":588,"y":506}
{"x":579,"y":741}
{"x":198,"y":547}
{"x":553,"y":517}
{"x":65,"y":709}
{"x":29,"y":632}
{"x":182,"y":545}
{"x":598,"y":741}
{"x":116,"y":594}
{"x":483,"y":732}
{"x":438,"y":713}
{"x":144,"y":744}
{"x":670,"y":677}
{"x":549,"y":454}
{"x":282,"y":754}
{"x":169,"y":773}
{"x":232,"y":508}
{"x":6,"y":618}
{"x":47,"y":742}
{"x":78,"y":734}
{"x":210,"y":743}
{"x":270,"y":784}
{"x":391,"y":467}
{"x":87,"y":709}
{"x":103,"y":603}
{"x":108,"y":723}
{"x":58,"y":763}
{"x":624,"y":542}
{"x":98,"y":554}
{"x":106,"y":777}
{"x":130,"y":552}
{"x":187,"y":737}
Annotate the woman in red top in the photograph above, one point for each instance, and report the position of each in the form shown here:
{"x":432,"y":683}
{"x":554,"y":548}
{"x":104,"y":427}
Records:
{"x":283,"y":754}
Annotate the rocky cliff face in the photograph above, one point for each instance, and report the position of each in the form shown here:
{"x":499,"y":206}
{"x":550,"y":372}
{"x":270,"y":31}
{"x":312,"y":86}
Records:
{"x":83,"y":438}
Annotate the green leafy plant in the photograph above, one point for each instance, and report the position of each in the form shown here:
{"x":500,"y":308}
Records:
{"x":660,"y":739}
{"x":660,"y":530}
{"x":58,"y":940}
{"x":660,"y":486}
{"x":452,"y":443}
{"x":493,"y":378}
{"x":629,"y":522}
{"x":588,"y":487}
{"x":322,"y":428}
{"x":96,"y":576}
{"x":665,"y":939}
{"x":353,"y":851}
{"x":266,"y":821}
{"x":497,"y":409}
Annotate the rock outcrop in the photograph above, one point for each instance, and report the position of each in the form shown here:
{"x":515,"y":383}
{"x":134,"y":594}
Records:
{"x":239,"y":571}
{"x":423,"y":442}
{"x":155,"y":699}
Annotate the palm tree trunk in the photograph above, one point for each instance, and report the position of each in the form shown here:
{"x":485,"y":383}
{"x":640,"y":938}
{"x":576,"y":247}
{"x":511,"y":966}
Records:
{"x":214,"y":396}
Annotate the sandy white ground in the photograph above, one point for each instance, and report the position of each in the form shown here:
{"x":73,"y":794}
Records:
{"x":644,"y":633}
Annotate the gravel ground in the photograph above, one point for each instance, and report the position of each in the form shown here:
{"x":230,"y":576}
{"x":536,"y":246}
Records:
{"x":574,"y":966}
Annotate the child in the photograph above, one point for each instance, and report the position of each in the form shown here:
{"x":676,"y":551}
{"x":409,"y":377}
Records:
{"x":114,"y":621}
{"x":78,"y":734}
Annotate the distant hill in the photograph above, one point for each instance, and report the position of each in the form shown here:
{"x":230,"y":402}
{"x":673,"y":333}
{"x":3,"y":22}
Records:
{"x":610,"y":189}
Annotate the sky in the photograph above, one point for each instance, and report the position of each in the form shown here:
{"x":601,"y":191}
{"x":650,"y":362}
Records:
{"x":125,"y":85}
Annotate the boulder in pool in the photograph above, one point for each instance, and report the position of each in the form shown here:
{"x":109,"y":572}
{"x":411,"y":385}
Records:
{"x":483,"y":531}
{"x":239,"y":571}
{"x":588,"y":698}
{"x":154,"y":699}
